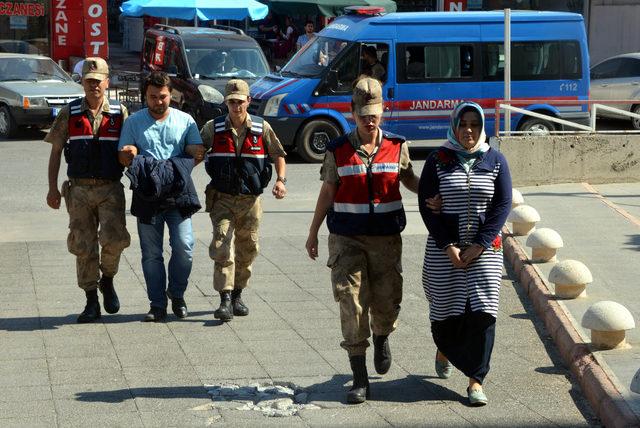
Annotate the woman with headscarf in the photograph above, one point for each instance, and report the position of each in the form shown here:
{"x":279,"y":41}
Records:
{"x":463,"y":257}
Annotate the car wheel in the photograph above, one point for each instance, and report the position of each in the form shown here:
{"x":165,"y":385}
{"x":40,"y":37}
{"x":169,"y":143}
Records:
{"x":313,"y":139}
{"x":635,"y":122}
{"x":535,"y":126}
{"x":7,"y":123}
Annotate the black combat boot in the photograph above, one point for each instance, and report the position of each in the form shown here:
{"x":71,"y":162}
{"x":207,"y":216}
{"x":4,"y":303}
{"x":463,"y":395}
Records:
{"x":239,"y":308}
{"x":359,"y":392}
{"x":92,"y":309}
{"x":109,"y":297}
{"x":224,"y":312}
{"x":381,"y":353}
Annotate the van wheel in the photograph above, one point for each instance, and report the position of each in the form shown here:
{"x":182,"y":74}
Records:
{"x":535,"y":126}
{"x":7,"y":123}
{"x":635,"y":122}
{"x":313,"y":139}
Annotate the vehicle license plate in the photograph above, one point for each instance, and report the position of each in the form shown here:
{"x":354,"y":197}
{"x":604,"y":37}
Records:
{"x":55,"y":111}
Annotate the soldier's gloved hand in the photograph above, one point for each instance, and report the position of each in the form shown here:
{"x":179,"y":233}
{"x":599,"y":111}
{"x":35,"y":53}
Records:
{"x":53,"y":198}
{"x":279,"y":190}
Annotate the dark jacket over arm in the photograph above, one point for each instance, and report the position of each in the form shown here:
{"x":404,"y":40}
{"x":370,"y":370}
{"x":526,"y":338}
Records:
{"x":162,"y":184}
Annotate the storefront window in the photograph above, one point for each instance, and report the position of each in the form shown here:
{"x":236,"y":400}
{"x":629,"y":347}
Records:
{"x":24,"y":27}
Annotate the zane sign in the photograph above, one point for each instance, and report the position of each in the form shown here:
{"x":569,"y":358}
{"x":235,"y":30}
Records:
{"x":79,"y":28}
{"x":66,"y":29}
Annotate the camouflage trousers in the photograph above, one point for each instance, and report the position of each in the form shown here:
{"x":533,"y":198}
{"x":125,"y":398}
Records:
{"x":96,"y":216}
{"x":366,"y":274}
{"x":234,"y":247}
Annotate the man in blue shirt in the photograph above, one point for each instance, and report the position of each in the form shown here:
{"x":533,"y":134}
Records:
{"x":161,"y":132}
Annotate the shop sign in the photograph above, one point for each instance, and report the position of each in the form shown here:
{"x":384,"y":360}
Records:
{"x":95,"y":28}
{"x":11,"y":8}
{"x":66,"y":29}
{"x":17,"y":22}
{"x":455,"y":5}
{"x":158,"y":54}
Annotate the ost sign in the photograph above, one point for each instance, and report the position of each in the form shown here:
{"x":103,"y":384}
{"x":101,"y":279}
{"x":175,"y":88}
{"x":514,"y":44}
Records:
{"x":95,"y":28}
{"x":78,"y":28}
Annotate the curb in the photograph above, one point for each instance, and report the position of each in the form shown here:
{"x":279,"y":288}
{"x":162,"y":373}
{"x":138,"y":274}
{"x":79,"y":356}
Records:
{"x":597,"y":386}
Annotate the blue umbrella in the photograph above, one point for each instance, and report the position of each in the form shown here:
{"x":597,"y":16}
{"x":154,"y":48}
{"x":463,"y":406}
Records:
{"x":204,"y":10}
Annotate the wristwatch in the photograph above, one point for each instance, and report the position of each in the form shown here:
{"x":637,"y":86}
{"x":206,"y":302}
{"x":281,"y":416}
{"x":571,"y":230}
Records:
{"x":282,"y":179}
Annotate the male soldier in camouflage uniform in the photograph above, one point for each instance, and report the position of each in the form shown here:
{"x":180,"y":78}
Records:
{"x":87,"y":131}
{"x":360,"y":197}
{"x":238,"y":164}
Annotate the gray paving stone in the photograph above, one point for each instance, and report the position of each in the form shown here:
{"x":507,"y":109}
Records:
{"x":30,"y":422}
{"x":113,"y":419}
{"x":28,"y":378}
{"x":172,"y":403}
{"x":25,"y":393}
{"x":353,"y":416}
{"x":186,"y":418}
{"x":23,"y":409}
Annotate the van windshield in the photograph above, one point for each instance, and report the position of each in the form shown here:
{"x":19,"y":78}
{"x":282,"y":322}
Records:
{"x":225,"y":63}
{"x":317,"y":55}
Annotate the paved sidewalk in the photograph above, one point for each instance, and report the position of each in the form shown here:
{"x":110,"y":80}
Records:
{"x":600,"y":226}
{"x":122,"y":372}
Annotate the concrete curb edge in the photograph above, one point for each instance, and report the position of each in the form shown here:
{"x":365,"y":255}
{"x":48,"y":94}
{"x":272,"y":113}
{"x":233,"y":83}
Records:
{"x":600,"y":390}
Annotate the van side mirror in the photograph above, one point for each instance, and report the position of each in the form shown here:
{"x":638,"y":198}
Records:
{"x":76,"y":77}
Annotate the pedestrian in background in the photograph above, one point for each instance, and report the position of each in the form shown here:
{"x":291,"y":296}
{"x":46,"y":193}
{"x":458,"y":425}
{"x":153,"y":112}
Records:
{"x":241,"y":148}
{"x":463,"y":257}
{"x":160,"y":132}
{"x":87,"y":131}
{"x":308,"y":35}
{"x":360,"y":197}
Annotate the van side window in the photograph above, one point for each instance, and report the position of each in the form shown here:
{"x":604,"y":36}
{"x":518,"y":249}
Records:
{"x":552,"y":60}
{"x":419,"y":63}
{"x":375,"y":60}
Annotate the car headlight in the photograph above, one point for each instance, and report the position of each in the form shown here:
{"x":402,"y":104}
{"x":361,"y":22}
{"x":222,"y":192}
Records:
{"x":273,"y":105}
{"x":210,"y":95}
{"x":30,"y":102}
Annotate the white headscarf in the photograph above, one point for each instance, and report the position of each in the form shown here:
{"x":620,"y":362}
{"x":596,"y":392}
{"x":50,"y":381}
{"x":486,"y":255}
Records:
{"x":453,"y":143}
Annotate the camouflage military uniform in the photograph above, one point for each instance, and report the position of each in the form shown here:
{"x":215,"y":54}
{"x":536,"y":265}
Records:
{"x":235,"y":218}
{"x":366,"y":271}
{"x":96,"y":211}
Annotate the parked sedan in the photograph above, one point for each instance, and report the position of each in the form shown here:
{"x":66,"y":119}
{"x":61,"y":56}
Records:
{"x":33,"y":89}
{"x":618,"y":78}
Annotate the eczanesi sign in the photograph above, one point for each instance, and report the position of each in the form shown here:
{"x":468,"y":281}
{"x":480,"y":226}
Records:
{"x":78,"y":28}
{"x":11,"y":8}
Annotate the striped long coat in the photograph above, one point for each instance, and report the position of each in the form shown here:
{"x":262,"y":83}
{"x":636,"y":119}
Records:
{"x":475,"y":205}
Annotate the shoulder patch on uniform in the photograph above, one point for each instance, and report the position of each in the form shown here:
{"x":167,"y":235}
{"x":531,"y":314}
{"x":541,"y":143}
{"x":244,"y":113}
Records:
{"x":392,"y":136}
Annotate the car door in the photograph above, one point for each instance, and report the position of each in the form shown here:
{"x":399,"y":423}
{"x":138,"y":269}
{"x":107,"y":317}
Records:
{"x":626,"y":85}
{"x":604,"y":81}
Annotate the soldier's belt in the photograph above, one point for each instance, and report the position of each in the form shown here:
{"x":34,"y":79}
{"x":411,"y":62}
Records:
{"x":90,"y":181}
